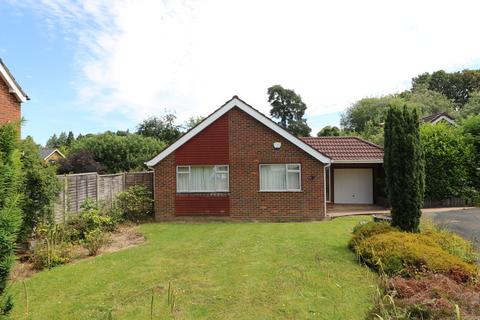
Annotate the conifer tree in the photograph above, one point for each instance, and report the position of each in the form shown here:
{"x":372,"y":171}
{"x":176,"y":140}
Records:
{"x":404,"y":167}
{"x":10,"y":212}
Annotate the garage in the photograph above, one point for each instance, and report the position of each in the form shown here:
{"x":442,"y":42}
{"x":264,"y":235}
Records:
{"x":353,"y":186}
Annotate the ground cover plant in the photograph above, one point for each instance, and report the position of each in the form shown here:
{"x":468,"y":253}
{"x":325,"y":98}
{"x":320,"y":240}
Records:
{"x":211,"y":271}
{"x":432,"y":274}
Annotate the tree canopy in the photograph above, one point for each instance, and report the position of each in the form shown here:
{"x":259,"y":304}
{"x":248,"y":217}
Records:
{"x":456,"y":86}
{"x":289,"y":109}
{"x":119,"y":153}
{"x":162,"y":128}
{"x":328,"y":131}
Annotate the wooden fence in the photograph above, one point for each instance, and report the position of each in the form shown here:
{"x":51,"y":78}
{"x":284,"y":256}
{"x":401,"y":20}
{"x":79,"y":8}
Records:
{"x":103,"y":188}
{"x":446,"y":203}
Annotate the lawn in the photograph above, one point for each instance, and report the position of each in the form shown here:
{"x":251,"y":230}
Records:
{"x":216,"y":271}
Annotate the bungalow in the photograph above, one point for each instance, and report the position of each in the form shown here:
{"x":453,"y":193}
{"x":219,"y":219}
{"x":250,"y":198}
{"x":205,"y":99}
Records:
{"x":240,"y":165}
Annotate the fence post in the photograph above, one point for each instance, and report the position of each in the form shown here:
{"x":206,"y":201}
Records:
{"x":97,"y":192}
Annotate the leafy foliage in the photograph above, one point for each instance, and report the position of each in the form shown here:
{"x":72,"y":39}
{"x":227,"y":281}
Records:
{"x":404,"y":167}
{"x":329,"y":131}
{"x":456,"y":86}
{"x":41,"y":188}
{"x":94,"y":240}
{"x":81,"y":161}
{"x":136,"y":203}
{"x":192,"y":122}
{"x":52,"y":246}
{"x":162,"y":128}
{"x":119,"y":153}
{"x":10,"y":207}
{"x":90,"y":218}
{"x":289,"y":109}
{"x":448,"y":160}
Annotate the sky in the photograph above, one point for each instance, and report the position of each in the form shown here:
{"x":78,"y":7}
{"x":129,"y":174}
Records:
{"x":97,"y":65}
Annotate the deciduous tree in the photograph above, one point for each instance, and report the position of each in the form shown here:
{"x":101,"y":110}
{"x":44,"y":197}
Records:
{"x":289,"y":109}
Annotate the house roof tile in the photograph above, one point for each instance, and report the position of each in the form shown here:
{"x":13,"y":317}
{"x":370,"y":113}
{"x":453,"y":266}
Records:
{"x":346,"y":148}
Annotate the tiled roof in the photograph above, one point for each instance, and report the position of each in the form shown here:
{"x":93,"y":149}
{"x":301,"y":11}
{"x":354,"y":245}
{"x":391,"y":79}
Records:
{"x":45,"y":152}
{"x":345,"y":148}
{"x":435,"y":116}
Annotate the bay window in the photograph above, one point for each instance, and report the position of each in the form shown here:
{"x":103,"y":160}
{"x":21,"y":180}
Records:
{"x":280,"y":177}
{"x":202,"y":178}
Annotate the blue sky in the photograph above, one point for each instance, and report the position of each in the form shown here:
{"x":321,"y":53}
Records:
{"x":96,"y":65}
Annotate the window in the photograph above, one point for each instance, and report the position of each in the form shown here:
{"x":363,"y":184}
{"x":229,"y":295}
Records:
{"x":280,"y":177}
{"x":202,"y":178}
{"x":327,"y":183}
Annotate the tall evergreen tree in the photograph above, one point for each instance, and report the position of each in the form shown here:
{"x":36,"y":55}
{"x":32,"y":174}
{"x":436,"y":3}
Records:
{"x":10,"y":212}
{"x":404,"y":167}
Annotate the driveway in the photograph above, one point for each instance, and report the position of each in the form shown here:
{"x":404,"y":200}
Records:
{"x":465,"y":222}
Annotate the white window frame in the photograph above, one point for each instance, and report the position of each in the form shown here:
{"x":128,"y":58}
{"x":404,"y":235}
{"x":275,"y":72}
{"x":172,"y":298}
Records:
{"x":299,"y":170}
{"x":216,"y":169}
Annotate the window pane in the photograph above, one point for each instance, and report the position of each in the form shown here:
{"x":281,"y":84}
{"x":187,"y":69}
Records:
{"x":272,"y":177}
{"x":182,"y":182}
{"x":293,"y":167}
{"x":202,"y":179}
{"x":222,"y":182}
{"x":183,"y":169}
{"x":221,"y":168}
{"x":293,"y":180}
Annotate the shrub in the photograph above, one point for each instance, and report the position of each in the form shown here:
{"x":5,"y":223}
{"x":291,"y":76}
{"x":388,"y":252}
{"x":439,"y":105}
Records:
{"x":40,"y":188}
{"x":52,"y":247}
{"x":90,"y":218}
{"x":431,"y":297}
{"x":136,"y":203}
{"x":451,"y":243}
{"x":94,"y":240}
{"x":363,"y":231}
{"x":406,"y":254}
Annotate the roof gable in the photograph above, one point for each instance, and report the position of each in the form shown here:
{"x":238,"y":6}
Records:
{"x":12,"y":84}
{"x":230,"y":104}
{"x":45,"y":153}
{"x":438,"y":117}
{"x":347,"y":149}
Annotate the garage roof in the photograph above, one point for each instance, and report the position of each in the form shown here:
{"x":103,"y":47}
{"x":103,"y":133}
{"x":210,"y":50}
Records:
{"x":347,"y":149}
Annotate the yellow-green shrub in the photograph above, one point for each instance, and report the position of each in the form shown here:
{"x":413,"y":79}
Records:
{"x":450,"y":242}
{"x":363,"y":231}
{"x":405,"y":253}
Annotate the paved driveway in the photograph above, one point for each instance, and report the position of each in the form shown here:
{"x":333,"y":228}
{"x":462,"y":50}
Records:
{"x":466,"y":222}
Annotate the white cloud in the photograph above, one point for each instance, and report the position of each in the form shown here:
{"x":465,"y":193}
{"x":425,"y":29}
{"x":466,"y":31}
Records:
{"x":139,"y":57}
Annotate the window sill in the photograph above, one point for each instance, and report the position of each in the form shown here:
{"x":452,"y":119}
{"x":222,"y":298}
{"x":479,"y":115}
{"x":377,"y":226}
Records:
{"x":280,"y":191}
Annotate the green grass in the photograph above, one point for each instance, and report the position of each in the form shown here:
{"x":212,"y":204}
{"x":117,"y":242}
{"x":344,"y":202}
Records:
{"x":217,"y":271}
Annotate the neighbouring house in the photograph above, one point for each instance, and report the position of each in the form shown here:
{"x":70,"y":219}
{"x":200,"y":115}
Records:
{"x":50,"y":155}
{"x":239,"y":164}
{"x":441,"y":117}
{"x":11,"y":96}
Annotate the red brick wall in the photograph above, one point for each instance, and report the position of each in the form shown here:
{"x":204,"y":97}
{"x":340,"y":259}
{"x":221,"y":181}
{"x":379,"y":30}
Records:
{"x":9,"y":105}
{"x":250,"y":144}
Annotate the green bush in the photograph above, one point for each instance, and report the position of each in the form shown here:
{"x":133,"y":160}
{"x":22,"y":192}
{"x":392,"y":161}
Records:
{"x":52,"y":247}
{"x":136,"y":204}
{"x":90,"y":218}
{"x":94,"y":240}
{"x":452,"y":243}
{"x":408,"y":253}
{"x":363,"y":231}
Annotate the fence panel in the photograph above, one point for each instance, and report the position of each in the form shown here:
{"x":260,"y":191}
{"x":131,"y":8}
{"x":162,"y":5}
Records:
{"x":79,"y":187}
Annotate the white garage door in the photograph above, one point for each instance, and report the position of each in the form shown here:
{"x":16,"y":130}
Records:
{"x":353,"y":186}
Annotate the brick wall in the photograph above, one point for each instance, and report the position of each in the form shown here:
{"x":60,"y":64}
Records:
{"x":9,"y":105}
{"x":251,"y":144}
